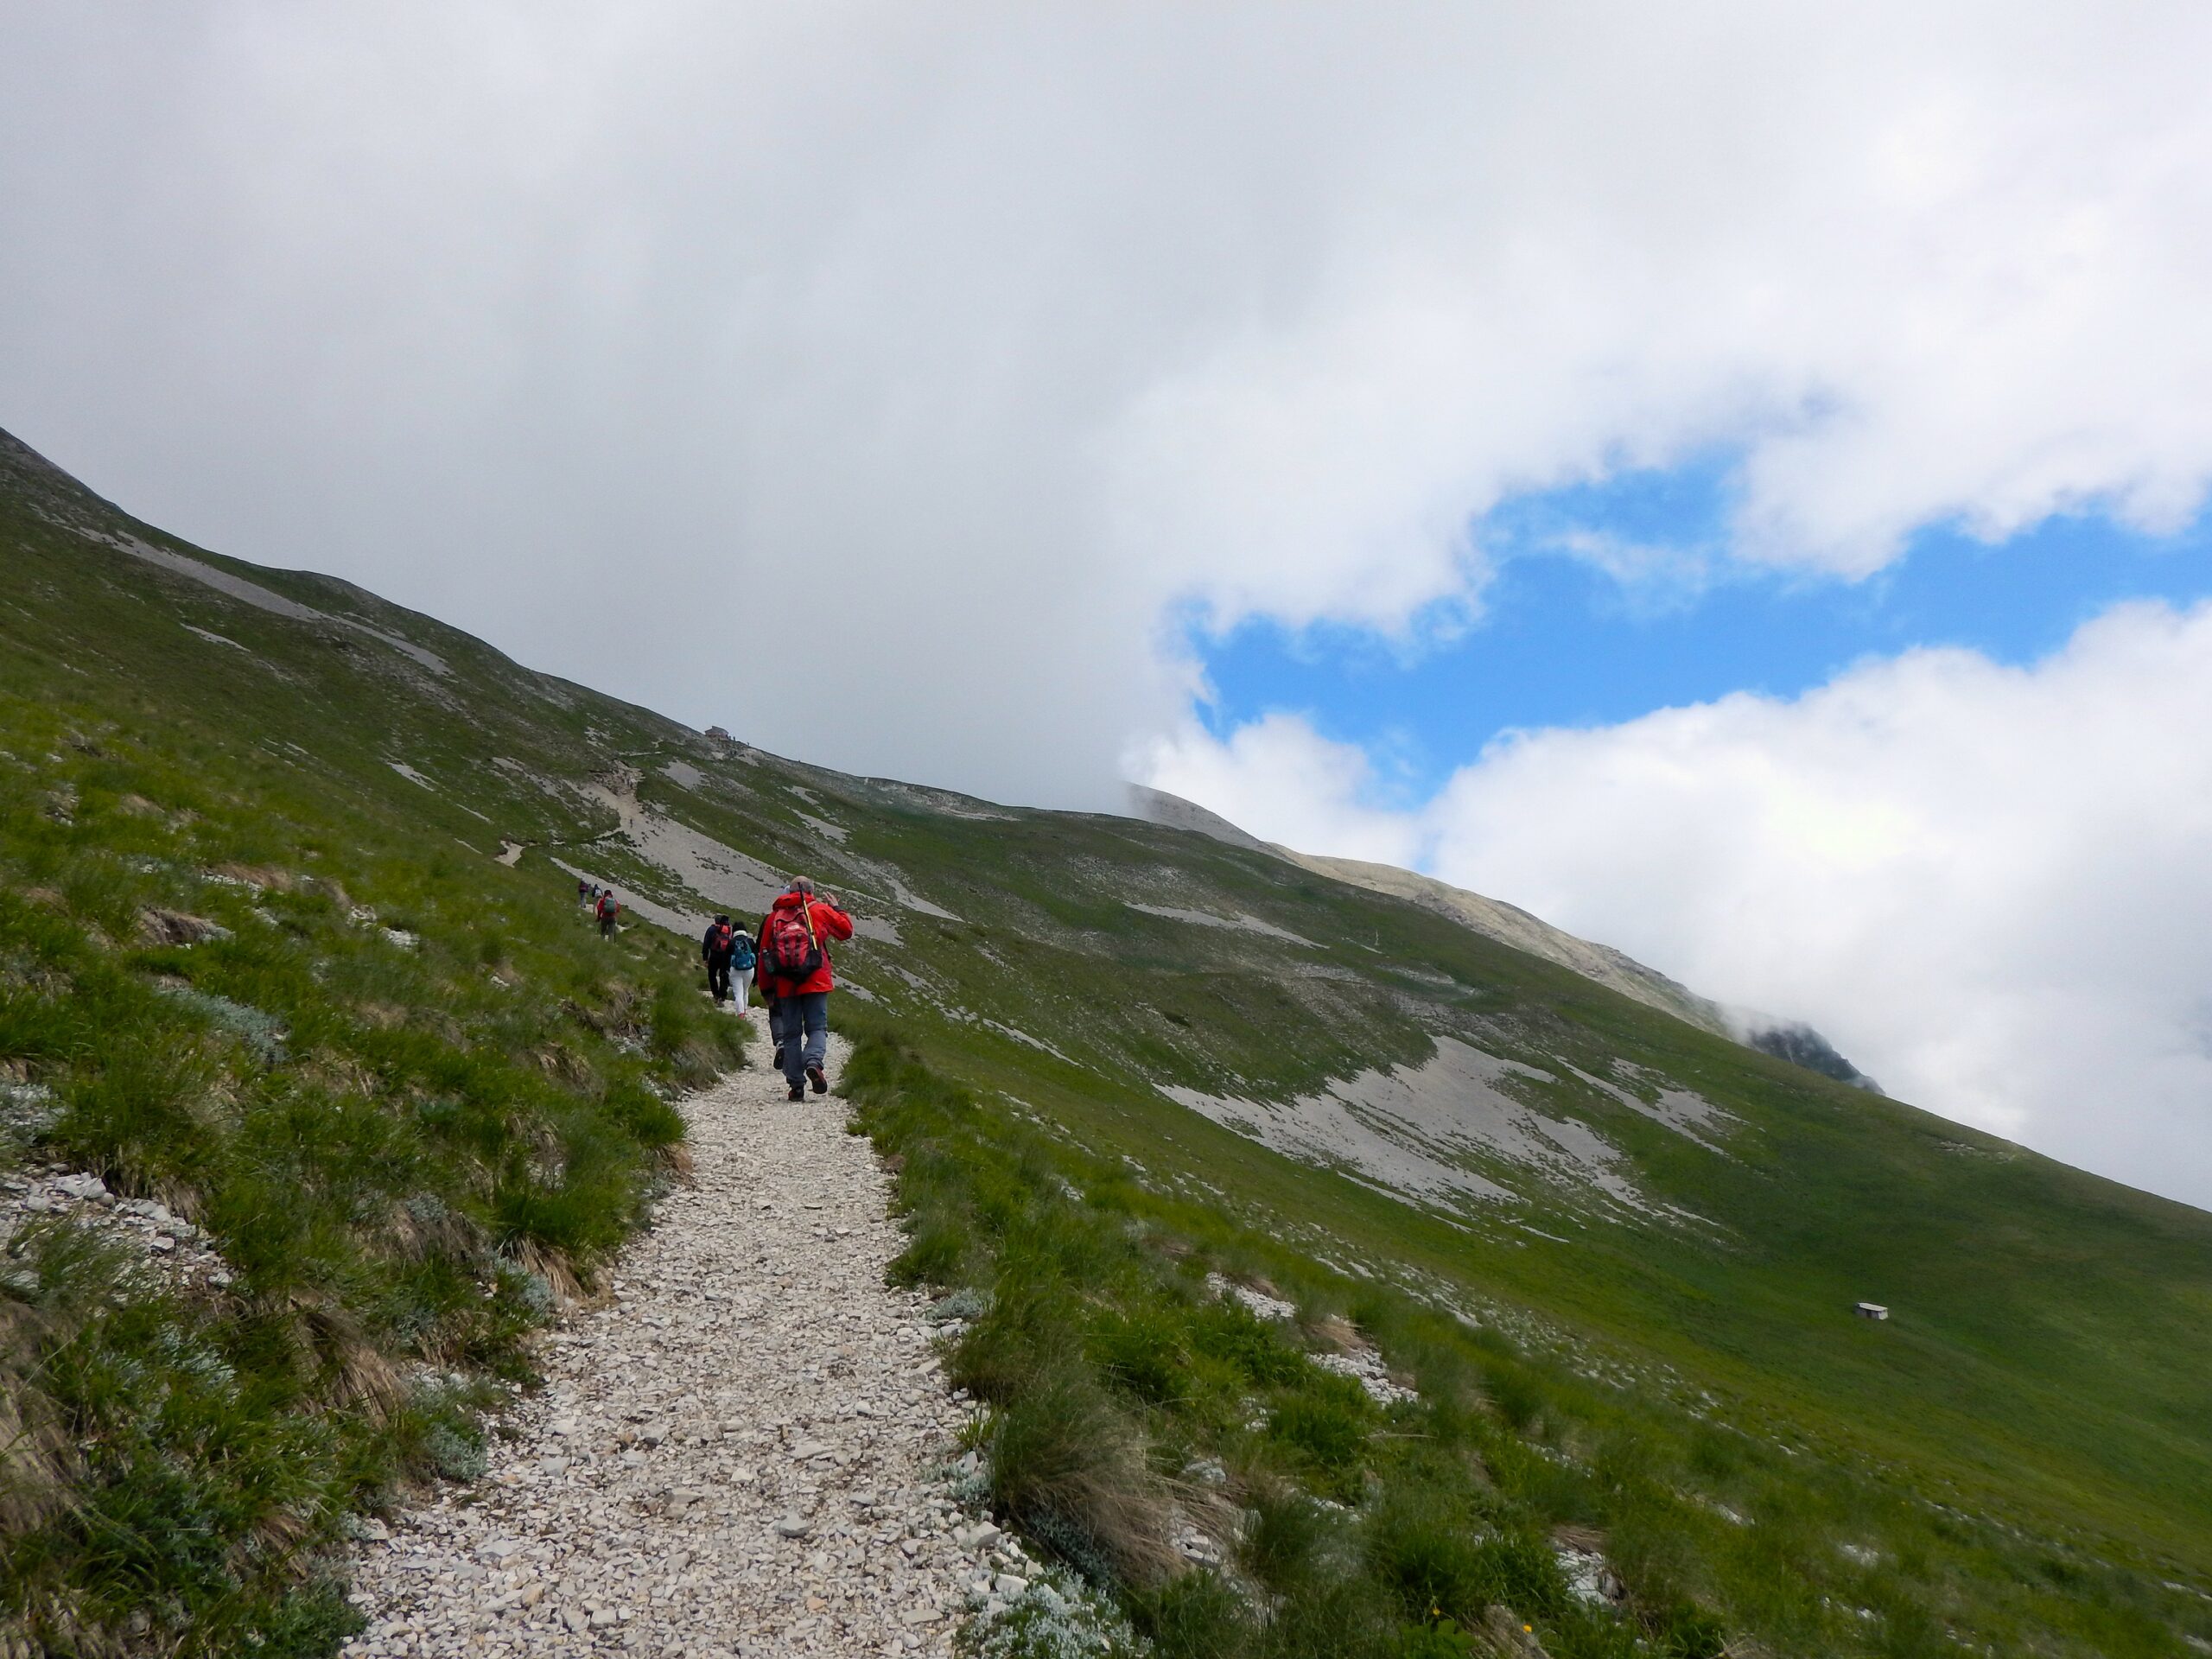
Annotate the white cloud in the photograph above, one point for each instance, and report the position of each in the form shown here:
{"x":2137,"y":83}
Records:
{"x":1281,"y":779}
{"x":992,"y":336}
{"x":1990,"y":886}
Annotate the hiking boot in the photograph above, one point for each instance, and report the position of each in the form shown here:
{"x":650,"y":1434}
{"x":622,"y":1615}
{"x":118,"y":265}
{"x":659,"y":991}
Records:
{"x":797,"y":1093}
{"x":821,"y":1084}
{"x":777,"y":1064}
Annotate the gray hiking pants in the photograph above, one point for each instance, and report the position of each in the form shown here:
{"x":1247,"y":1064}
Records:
{"x":804,"y":1030}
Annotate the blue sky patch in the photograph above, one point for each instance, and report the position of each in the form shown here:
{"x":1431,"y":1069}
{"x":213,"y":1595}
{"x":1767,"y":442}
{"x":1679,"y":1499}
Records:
{"x":1579,"y":628}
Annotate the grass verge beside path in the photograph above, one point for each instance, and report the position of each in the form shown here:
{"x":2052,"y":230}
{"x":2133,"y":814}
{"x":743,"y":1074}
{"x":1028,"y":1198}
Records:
{"x":1127,"y":1403}
{"x":408,"y":1097}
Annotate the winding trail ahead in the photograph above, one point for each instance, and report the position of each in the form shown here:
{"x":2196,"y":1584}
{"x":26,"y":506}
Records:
{"x":737,"y":1456}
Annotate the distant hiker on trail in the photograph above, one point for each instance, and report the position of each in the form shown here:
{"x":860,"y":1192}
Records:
{"x":607,"y":910}
{"x":715,"y":950}
{"x":794,"y":951}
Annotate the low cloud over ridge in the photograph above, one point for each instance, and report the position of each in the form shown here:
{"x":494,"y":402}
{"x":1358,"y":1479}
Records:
{"x":612,"y":334}
{"x":1987,"y":885}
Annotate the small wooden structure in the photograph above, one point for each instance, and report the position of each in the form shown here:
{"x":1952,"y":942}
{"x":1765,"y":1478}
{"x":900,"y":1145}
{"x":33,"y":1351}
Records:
{"x":1872,"y":1311}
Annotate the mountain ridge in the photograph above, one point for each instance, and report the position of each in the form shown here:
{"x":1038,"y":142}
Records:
{"x":1787,"y":1039}
{"x":1660,"y":1231}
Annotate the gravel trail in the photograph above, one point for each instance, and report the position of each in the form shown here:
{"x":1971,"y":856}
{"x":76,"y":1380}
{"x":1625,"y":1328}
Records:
{"x":740,"y":1455}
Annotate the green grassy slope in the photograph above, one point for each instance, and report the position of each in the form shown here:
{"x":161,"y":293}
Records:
{"x":2027,"y":1444}
{"x":409,"y":1095}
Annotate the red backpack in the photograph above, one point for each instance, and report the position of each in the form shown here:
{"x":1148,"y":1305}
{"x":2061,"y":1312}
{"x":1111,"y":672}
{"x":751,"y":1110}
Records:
{"x":791,"y":950}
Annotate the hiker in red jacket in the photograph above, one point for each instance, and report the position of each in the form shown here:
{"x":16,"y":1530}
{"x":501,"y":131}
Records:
{"x":607,"y":910}
{"x":794,"y":960}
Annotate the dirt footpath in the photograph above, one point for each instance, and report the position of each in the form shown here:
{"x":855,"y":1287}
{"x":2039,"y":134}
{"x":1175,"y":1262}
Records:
{"x":741,"y":1455}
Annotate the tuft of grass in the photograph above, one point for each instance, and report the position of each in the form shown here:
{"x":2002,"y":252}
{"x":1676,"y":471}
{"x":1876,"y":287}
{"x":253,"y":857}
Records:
{"x":936,"y":1252}
{"x":1141,"y":1352}
{"x":1321,"y":1430}
{"x":1196,"y":1616}
{"x":1070,"y":1468}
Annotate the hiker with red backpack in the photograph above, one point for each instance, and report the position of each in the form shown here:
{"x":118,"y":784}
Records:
{"x":796,"y":979}
{"x":607,"y":910}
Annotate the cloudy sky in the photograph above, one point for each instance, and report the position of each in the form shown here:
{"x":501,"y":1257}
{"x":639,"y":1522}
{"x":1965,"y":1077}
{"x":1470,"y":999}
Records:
{"x":1731,"y":477}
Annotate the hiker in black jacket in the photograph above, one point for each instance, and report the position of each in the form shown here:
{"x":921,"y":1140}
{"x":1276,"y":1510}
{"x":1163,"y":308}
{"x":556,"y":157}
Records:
{"x":714,"y":950}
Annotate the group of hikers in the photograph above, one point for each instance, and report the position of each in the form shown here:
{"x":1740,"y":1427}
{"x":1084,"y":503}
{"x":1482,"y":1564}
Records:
{"x":605,"y":907}
{"x":790,"y":951}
